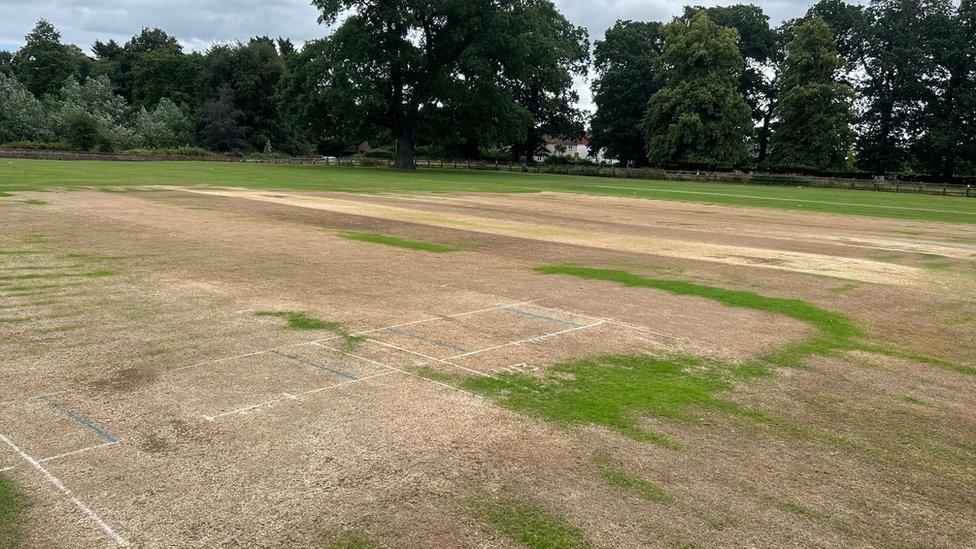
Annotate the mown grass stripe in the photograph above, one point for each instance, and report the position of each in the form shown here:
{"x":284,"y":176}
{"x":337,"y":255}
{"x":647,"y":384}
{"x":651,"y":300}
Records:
{"x":374,"y":238}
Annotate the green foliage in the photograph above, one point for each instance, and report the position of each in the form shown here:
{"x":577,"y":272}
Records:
{"x":165,"y":127}
{"x":44,"y":63}
{"x":624,"y":62}
{"x":398,"y":242}
{"x":529,"y":524}
{"x":814,"y":107}
{"x":22,"y":116}
{"x":83,"y":131}
{"x":615,"y":474}
{"x":698,"y":117}
{"x":222,"y":129}
{"x":12,"y":502}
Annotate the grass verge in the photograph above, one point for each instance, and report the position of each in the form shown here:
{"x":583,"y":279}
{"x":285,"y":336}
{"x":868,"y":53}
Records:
{"x":35,"y":202}
{"x":529,"y":524}
{"x":12,"y":502}
{"x":396,"y":242}
{"x":616,"y":475}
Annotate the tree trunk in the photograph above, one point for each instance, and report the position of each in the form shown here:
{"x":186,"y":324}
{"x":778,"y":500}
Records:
{"x":406,"y":142}
{"x":764,"y":135}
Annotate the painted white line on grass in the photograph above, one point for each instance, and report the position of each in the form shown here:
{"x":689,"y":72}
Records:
{"x":81,"y":451}
{"x":436,"y":318}
{"x":421,"y":355}
{"x":288,"y":396}
{"x":66,"y":492}
{"x":527,"y":340}
{"x":394,"y":368}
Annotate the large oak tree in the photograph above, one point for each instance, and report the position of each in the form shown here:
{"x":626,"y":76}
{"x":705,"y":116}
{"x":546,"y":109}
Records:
{"x":391,"y":62}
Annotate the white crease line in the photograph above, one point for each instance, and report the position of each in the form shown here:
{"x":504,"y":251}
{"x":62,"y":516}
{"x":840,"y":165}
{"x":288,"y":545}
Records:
{"x":67,"y":493}
{"x":67,"y":454}
{"x":527,"y":340}
{"x":301,"y":344}
{"x":421,"y":355}
{"x":76,"y":452}
{"x":394,"y":368}
{"x":434,"y":319}
{"x":288,"y":396}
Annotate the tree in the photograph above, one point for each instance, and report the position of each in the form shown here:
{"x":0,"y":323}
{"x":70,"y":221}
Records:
{"x":543,"y":55}
{"x":22,"y":116}
{"x":165,"y":73}
{"x":6,"y":63}
{"x":166,"y":125}
{"x":82,"y":130}
{"x":625,"y":62}
{"x":123,"y":65}
{"x":889,"y":47}
{"x":760,"y":48}
{"x":390,"y":63}
{"x":698,"y":117}
{"x":222,"y":129}
{"x":44,"y":62}
{"x":813,"y":107}
{"x":949,"y":119}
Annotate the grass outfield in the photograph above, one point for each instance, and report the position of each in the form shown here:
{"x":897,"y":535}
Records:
{"x":26,"y":175}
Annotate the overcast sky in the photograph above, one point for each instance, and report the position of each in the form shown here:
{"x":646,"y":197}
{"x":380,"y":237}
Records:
{"x":200,"y":23}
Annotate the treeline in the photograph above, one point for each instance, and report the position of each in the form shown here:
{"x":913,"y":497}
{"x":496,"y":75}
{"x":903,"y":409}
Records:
{"x":889,"y":87}
{"x":884,"y":88}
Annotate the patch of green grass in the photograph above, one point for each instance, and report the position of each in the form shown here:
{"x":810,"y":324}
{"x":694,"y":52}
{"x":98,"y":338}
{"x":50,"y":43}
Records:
{"x":615,"y":474}
{"x":12,"y":502}
{"x":301,"y":321}
{"x":912,"y":400}
{"x":17,"y":252}
{"x":35,"y":202}
{"x":387,"y":240}
{"x":349,"y":539}
{"x":844,"y":288}
{"x":99,"y":273}
{"x":32,"y":175}
{"x":613,"y":391}
{"x":529,"y":524}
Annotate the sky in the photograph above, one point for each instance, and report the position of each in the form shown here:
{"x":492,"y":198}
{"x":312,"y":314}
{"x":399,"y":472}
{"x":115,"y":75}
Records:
{"x":200,"y":23}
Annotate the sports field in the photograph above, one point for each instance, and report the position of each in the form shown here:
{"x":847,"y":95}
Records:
{"x":224,"y":355}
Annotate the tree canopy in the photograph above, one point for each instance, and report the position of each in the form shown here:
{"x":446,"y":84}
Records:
{"x":698,"y":117}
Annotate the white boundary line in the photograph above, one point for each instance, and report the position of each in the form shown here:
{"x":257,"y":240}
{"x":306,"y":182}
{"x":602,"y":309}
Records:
{"x":67,"y":493}
{"x":288,"y":396}
{"x":527,"y":340}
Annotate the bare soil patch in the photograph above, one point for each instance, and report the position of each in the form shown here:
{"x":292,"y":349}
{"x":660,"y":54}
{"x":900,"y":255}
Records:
{"x":178,"y":417}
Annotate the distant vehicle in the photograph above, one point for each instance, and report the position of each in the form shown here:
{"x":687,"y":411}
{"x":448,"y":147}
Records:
{"x":328,"y":160}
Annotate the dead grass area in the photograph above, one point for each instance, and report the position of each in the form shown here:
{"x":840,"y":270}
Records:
{"x":208,"y":370}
